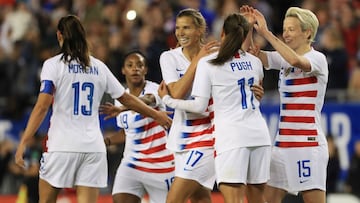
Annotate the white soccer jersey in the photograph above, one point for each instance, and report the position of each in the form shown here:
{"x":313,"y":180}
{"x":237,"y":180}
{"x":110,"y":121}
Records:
{"x":188,"y":130}
{"x":238,"y":120}
{"x":145,"y":146}
{"x":301,"y":97}
{"x":74,"y":123}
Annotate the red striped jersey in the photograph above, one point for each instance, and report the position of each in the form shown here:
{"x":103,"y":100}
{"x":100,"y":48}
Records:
{"x":195,"y":130}
{"x":188,"y":130}
{"x":145,"y":145}
{"x":301,"y":100}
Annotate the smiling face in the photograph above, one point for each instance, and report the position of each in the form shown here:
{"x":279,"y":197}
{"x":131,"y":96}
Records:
{"x":134,"y":69}
{"x":293,"y":35}
{"x":187,"y":34}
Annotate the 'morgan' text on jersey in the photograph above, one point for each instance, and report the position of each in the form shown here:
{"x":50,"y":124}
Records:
{"x":77,"y":68}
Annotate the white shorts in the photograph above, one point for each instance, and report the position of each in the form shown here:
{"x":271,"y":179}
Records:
{"x":132,"y":181}
{"x":247,"y":165}
{"x":299,"y":169}
{"x":196,"y":164}
{"x":69,"y":169}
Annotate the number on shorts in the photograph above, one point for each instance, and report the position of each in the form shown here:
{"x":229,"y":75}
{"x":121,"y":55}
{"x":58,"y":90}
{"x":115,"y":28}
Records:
{"x":194,"y":157}
{"x":168,"y":182}
{"x":304,"y":168}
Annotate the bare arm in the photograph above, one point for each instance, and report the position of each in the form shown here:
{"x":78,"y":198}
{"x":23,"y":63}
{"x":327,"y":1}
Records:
{"x":137,"y":105}
{"x":111,"y":111}
{"x":180,"y":88}
{"x":284,"y":50}
{"x":248,"y":45}
{"x":36,"y":118}
{"x":115,"y":138}
{"x":248,"y":13}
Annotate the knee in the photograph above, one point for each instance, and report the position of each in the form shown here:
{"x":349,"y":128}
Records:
{"x":201,"y":196}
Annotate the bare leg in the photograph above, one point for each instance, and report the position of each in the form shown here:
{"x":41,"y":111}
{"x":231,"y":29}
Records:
{"x":202,"y":195}
{"x":87,"y":194}
{"x":126,"y":197}
{"x":312,"y":196}
{"x":47,"y":193}
{"x":182,"y":189}
{"x":255,"y":193}
{"x":274,"y":195}
{"x":233,"y":192}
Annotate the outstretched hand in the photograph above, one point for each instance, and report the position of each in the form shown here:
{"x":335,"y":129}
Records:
{"x":260,"y":25}
{"x":110,"y":110}
{"x":209,"y":48}
{"x":248,"y":13}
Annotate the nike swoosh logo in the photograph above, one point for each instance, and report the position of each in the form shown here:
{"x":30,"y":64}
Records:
{"x":186,"y":169}
{"x":303,"y":181}
{"x":178,"y":69}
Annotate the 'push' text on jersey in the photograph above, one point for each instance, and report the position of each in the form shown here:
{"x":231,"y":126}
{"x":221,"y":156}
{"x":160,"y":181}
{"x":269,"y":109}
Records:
{"x":244,"y":65}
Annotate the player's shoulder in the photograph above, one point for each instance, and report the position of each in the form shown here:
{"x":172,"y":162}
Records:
{"x":151,"y":87}
{"x":208,"y":58}
{"x":54,"y":59}
{"x":171,"y":52}
{"x":250,"y":56}
{"x":96,"y":61}
{"x":151,"y":84}
{"x":316,"y":54}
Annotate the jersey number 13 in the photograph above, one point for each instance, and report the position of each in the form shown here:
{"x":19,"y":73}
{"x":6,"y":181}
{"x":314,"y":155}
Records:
{"x":85,"y":89}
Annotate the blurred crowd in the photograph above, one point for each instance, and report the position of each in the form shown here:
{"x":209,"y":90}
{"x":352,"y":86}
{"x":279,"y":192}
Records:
{"x":114,"y":27}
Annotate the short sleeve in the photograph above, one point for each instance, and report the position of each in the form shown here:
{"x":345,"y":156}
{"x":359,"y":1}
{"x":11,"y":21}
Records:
{"x":168,"y":67}
{"x":202,"y":81}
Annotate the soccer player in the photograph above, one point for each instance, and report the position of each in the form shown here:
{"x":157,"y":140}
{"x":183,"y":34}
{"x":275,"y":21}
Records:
{"x":190,"y":135}
{"x":73,"y":83}
{"x":242,"y":140}
{"x":300,"y":155}
{"x":147,"y":166}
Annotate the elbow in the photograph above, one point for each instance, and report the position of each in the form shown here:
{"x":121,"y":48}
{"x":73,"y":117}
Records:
{"x":295,"y":62}
{"x":176,"y":91}
{"x":298,"y":63}
{"x":176,"y":94}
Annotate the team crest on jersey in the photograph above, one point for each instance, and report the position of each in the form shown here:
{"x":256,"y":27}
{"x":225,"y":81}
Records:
{"x":287,"y":71}
{"x":294,"y":70}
